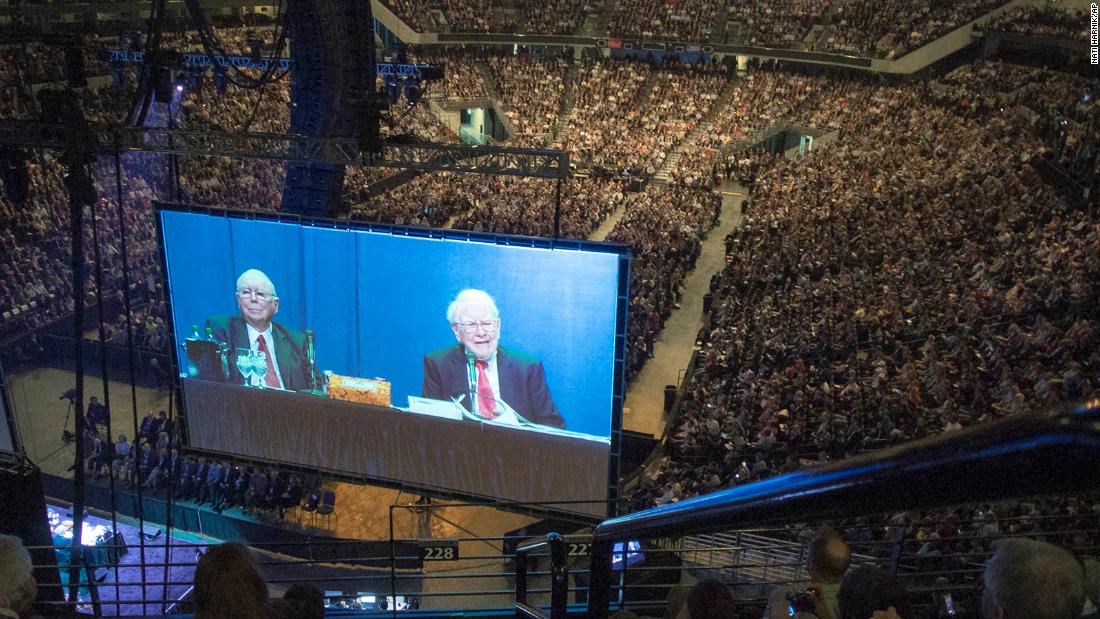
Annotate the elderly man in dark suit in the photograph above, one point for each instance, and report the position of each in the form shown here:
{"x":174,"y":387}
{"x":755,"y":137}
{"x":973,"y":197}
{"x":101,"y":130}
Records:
{"x":493,"y":374}
{"x":284,"y":348}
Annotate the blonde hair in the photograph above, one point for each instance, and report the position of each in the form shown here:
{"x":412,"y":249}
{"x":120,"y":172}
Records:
{"x":17,"y":585}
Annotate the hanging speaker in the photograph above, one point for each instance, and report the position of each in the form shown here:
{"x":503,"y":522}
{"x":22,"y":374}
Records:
{"x":23,"y":514}
{"x":74,"y":64}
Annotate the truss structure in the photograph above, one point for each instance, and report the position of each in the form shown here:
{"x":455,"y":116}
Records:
{"x":196,"y":60}
{"x":423,"y":156}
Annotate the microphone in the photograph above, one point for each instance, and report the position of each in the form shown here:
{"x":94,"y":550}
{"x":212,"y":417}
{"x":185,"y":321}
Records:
{"x":471,"y":380}
{"x":311,"y":358}
{"x":310,"y":353}
{"x":504,"y":406}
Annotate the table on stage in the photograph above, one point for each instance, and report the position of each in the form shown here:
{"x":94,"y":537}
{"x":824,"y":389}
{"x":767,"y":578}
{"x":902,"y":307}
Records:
{"x":483,"y":459}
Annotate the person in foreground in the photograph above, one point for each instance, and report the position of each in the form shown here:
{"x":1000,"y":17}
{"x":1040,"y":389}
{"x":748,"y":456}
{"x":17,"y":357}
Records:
{"x":1033,"y":579}
{"x":497,"y":374}
{"x":285,"y":348}
{"x":18,"y":588}
{"x":870,"y":592}
{"x":228,"y":585}
{"x":827,"y":558}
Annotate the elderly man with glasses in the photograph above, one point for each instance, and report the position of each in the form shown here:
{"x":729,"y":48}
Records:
{"x":283,"y":347}
{"x":491,"y":382}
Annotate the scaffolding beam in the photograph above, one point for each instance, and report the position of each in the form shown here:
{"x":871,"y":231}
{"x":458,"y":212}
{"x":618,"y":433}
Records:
{"x":422,"y":156}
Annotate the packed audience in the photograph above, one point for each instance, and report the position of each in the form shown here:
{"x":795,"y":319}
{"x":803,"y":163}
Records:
{"x":541,"y":16}
{"x":749,"y":114}
{"x":1047,"y":21}
{"x":666,"y":228}
{"x":461,"y":77}
{"x":918,"y":277}
{"x":605,"y":94}
{"x":532,"y":91}
{"x":771,"y":23}
{"x":892,"y":29}
{"x":805,"y":353}
{"x":883,"y":294}
{"x":525,"y":206}
{"x":848,"y":26}
{"x":628,"y":116}
{"x":687,"y":20}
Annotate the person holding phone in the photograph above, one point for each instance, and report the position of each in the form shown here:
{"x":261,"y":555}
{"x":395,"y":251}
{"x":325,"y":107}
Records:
{"x":827,"y":559}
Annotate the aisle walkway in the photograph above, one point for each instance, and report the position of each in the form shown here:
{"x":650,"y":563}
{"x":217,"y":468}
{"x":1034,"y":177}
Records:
{"x":645,"y":396}
{"x":609,"y":224}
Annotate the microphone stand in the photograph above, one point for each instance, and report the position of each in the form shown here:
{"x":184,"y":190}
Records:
{"x":311,"y":359}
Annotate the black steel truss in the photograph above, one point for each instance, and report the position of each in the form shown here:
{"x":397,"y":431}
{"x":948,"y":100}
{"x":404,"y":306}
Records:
{"x":423,"y":156}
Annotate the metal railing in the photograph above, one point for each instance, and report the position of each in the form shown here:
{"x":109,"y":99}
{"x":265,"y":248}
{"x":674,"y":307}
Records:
{"x":559,"y":574}
{"x":750,"y":560}
{"x":1048,"y":455}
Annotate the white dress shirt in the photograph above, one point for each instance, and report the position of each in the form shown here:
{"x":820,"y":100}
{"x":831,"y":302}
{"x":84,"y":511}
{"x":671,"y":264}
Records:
{"x":253,"y":341}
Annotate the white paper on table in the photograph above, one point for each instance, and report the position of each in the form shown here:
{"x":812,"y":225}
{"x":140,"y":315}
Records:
{"x":436,"y":408}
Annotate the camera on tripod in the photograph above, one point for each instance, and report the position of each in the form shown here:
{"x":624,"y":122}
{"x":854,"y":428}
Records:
{"x":70,"y":395}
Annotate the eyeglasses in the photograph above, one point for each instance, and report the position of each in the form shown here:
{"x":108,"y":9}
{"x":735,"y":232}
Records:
{"x":259,"y":295}
{"x":486,"y":325}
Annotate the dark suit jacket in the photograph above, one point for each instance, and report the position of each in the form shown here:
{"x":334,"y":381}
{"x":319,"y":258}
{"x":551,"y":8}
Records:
{"x":200,"y":472}
{"x":522,"y":382}
{"x":290,"y":350}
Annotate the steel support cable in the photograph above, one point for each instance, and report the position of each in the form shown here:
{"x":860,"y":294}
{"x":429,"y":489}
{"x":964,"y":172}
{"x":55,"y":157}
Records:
{"x":97,"y":261}
{"x":172,"y":480}
{"x":146,"y":88}
{"x":124,"y":250}
{"x":76,"y":231}
{"x":212,"y":46}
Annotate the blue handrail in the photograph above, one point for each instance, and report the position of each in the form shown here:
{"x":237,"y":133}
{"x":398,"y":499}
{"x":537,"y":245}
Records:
{"x":1025,"y":455}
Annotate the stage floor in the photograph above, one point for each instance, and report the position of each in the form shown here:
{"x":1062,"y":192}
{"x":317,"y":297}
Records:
{"x":121,"y":591}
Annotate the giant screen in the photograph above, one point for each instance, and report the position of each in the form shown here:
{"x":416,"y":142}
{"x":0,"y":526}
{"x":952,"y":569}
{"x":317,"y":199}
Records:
{"x":486,"y":365}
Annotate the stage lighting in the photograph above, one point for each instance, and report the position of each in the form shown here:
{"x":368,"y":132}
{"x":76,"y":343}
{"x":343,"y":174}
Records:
{"x":118,"y":75}
{"x":179,"y":87}
{"x":392,"y":88}
{"x":162,"y":84}
{"x":255,"y":50}
{"x":221,"y":81}
{"x":412,"y":92}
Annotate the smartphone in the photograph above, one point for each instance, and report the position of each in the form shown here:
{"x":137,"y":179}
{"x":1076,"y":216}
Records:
{"x":949,"y":604}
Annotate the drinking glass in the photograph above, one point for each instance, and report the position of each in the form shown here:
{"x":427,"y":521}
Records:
{"x":244,"y":365}
{"x":259,"y":368}
{"x":188,"y":369}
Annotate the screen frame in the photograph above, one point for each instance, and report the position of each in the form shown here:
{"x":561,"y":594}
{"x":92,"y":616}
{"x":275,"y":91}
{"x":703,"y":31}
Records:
{"x":625,"y":257}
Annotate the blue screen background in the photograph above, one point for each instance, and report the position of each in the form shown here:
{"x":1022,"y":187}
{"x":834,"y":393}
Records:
{"x":377,"y":301}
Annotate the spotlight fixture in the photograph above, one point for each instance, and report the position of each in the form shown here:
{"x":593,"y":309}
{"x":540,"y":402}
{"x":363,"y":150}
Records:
{"x":221,"y":81}
{"x":412,"y":91}
{"x":392,"y":88}
{"x":118,"y":75}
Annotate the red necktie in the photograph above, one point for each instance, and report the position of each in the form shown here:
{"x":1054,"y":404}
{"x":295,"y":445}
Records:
{"x":486,"y":401}
{"x":270,"y":379}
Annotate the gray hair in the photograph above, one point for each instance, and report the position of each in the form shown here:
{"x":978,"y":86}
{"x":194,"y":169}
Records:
{"x":1029,"y":578}
{"x":17,"y":587}
{"x":260,"y":275}
{"x":470,"y":295}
